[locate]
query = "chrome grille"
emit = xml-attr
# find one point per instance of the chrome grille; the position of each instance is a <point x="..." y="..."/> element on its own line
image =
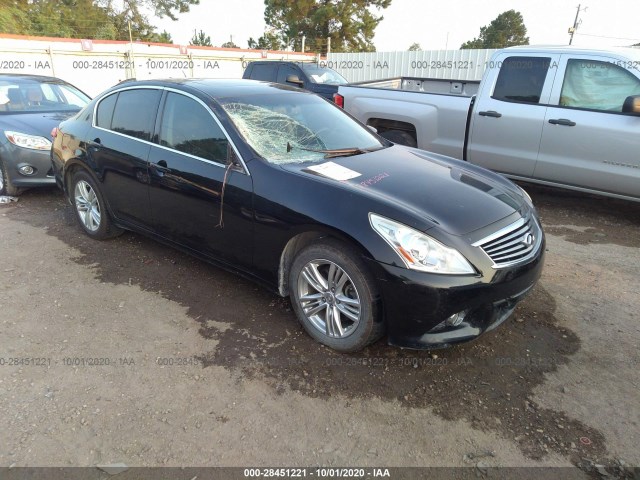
<point x="513" y="244"/>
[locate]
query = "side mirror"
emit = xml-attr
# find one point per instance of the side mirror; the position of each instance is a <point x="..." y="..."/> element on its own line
<point x="295" y="80"/>
<point x="631" y="105"/>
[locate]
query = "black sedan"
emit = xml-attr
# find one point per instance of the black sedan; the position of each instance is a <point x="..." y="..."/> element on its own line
<point x="283" y="187"/>
<point x="30" y="106"/>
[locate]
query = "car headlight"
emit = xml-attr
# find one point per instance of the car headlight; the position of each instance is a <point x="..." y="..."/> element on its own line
<point x="23" y="140"/>
<point x="418" y="250"/>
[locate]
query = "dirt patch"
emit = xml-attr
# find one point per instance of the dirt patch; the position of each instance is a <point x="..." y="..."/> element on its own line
<point x="586" y="219"/>
<point x="488" y="382"/>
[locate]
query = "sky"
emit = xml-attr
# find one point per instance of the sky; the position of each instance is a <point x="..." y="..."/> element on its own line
<point x="434" y="25"/>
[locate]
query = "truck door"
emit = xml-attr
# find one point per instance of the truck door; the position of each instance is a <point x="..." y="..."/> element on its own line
<point x="586" y="139"/>
<point x="507" y="119"/>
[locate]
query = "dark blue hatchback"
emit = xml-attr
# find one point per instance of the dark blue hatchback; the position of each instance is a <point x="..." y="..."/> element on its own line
<point x="30" y="107"/>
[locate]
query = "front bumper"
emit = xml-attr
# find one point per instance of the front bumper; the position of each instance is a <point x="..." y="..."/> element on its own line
<point x="40" y="160"/>
<point x="416" y="304"/>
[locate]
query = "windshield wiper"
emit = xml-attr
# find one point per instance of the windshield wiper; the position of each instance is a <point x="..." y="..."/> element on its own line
<point x="337" y="152"/>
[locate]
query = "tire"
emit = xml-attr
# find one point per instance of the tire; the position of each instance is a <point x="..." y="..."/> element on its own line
<point x="6" y="188"/>
<point x="400" y="137"/>
<point x="90" y="208"/>
<point x="354" y="298"/>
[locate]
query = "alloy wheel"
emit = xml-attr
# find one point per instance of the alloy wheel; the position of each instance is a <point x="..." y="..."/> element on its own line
<point x="87" y="205"/>
<point x="329" y="298"/>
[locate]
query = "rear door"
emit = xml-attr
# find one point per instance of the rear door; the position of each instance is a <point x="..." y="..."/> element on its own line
<point x="119" y="147"/>
<point x="200" y="193"/>
<point x="587" y="141"/>
<point x="509" y="113"/>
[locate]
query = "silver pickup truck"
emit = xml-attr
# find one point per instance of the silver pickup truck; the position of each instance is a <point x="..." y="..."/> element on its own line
<point x="559" y="116"/>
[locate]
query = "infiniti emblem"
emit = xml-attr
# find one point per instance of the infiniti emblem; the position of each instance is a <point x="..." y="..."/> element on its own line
<point x="528" y="239"/>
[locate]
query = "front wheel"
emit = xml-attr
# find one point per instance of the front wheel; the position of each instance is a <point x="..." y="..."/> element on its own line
<point x="90" y="207"/>
<point x="5" y="183"/>
<point x="335" y="297"/>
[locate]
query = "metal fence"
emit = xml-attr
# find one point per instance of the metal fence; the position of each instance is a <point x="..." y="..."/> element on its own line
<point x="445" y="64"/>
<point x="94" y="65"/>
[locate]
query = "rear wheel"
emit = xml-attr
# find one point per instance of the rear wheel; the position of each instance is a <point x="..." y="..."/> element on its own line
<point x="335" y="297"/>
<point x="5" y="182"/>
<point x="90" y="208"/>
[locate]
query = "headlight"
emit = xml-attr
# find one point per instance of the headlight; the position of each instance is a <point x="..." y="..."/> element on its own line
<point x="28" y="141"/>
<point x="420" y="251"/>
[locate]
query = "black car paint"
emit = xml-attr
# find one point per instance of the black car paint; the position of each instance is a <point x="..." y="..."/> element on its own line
<point x="268" y="207"/>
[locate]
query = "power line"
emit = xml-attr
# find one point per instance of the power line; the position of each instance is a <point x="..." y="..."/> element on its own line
<point x="606" y="36"/>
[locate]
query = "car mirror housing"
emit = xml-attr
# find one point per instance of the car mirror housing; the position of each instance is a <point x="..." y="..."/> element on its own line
<point x="631" y="105"/>
<point x="295" y="79"/>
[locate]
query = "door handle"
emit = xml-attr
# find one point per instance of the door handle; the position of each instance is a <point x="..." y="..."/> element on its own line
<point x="490" y="113"/>
<point x="161" y="168"/>
<point x="562" y="121"/>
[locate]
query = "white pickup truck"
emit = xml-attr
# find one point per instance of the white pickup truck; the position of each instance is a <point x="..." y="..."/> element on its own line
<point x="559" y="116"/>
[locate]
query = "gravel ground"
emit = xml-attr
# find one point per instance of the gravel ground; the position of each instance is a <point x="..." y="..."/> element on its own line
<point x="129" y="351"/>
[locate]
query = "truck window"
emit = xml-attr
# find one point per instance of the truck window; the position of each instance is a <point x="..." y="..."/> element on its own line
<point x="597" y="85"/>
<point x="285" y="70"/>
<point x="521" y="79"/>
<point x="264" y="71"/>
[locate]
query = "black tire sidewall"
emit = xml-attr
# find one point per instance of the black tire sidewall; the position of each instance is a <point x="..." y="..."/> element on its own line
<point x="8" y="189"/>
<point x="369" y="326"/>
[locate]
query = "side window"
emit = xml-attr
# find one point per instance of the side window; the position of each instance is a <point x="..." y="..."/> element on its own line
<point x="105" y="111"/>
<point x="597" y="85"/>
<point x="521" y="79"/>
<point x="285" y="70"/>
<point x="135" y="113"/>
<point x="264" y="71"/>
<point x="188" y="127"/>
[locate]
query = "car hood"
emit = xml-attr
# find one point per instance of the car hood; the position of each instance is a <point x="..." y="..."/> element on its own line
<point x="33" y="123"/>
<point x="432" y="189"/>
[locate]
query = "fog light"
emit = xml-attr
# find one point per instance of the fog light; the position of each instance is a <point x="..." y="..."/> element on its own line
<point x="27" y="170"/>
<point x="456" y="319"/>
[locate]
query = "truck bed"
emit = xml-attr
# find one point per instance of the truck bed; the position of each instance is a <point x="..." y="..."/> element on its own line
<point x="464" y="88"/>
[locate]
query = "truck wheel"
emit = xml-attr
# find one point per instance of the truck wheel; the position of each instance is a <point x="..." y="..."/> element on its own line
<point x="400" y="137"/>
<point x="335" y="297"/>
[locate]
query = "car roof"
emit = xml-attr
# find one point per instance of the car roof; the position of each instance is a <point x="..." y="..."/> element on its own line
<point x="25" y="76"/>
<point x="215" y="87"/>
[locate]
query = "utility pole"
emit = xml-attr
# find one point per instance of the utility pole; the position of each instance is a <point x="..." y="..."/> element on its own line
<point x="328" y="45"/>
<point x="303" y="39"/>
<point x="576" y="22"/>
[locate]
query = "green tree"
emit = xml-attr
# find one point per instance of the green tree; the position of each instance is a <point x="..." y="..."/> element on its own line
<point x="164" y="37"/>
<point x="268" y="41"/>
<point x="507" y="30"/>
<point x="415" y="47"/>
<point x="93" y="19"/>
<point x="350" y="24"/>
<point x="229" y="44"/>
<point x="200" y="38"/>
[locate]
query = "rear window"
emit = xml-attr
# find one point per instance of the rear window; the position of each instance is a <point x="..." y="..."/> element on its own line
<point x="135" y="113"/>
<point x="521" y="79"/>
<point x="264" y="71"/>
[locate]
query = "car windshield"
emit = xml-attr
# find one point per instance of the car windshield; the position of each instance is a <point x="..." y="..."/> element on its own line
<point x="31" y="96"/>
<point x="323" y="75"/>
<point x="283" y="127"/>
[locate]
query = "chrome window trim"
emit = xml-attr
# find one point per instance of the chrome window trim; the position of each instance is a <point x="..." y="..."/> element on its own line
<point x="245" y="170"/>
